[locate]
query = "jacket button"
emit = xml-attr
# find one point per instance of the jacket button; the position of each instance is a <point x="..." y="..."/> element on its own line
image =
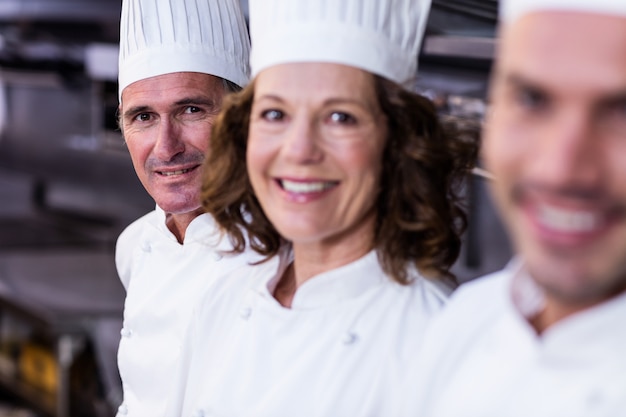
<point x="349" y="338"/>
<point x="126" y="332"/>
<point x="245" y="313"/>
<point x="217" y="256"/>
<point x="145" y="246"/>
<point x="123" y="409"/>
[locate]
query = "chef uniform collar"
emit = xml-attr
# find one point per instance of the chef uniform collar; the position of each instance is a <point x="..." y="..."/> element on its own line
<point x="328" y="288"/>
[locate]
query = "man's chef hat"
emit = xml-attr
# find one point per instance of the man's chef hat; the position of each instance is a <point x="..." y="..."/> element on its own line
<point x="511" y="10"/>
<point x="164" y="36"/>
<point x="379" y="36"/>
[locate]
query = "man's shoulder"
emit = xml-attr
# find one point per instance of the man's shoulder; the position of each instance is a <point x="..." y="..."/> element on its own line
<point x="133" y="230"/>
<point x="477" y="300"/>
<point x="477" y="288"/>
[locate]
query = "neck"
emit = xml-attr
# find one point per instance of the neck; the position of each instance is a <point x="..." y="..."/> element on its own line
<point x="556" y="310"/>
<point x="311" y="261"/>
<point x="314" y="259"/>
<point x="177" y="223"/>
<point x="550" y="315"/>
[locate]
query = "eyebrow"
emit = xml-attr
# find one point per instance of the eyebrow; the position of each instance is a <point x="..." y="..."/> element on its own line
<point x="135" y="110"/>
<point x="519" y="81"/>
<point x="188" y="101"/>
<point x="330" y="101"/>
<point x="204" y="101"/>
<point x="615" y="96"/>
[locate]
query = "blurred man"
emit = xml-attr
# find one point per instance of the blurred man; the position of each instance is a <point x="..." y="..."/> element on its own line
<point x="178" y="58"/>
<point x="546" y="336"/>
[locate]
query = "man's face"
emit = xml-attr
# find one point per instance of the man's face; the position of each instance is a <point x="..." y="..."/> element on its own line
<point x="556" y="141"/>
<point x="166" y="121"/>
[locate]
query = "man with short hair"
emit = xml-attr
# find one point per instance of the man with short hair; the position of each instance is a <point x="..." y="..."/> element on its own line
<point x="546" y="336"/>
<point x="178" y="58"/>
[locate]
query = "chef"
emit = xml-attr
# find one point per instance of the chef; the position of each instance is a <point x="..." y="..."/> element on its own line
<point x="178" y="59"/>
<point x="545" y="336"/>
<point x="349" y="183"/>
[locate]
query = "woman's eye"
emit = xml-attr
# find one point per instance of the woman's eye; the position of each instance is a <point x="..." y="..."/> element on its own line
<point x="272" y="115"/>
<point x="342" y="118"/>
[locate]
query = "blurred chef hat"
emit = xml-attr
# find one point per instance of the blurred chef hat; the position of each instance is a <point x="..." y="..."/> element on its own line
<point x="164" y="36"/>
<point x="380" y="36"/>
<point x="510" y="10"/>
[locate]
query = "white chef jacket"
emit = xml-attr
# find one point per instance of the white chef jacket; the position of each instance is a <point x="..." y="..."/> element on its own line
<point x="483" y="359"/>
<point x="163" y="280"/>
<point x="340" y="350"/>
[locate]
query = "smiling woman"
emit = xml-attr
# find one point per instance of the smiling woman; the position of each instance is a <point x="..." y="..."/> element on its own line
<point x="348" y="184"/>
<point x="417" y="163"/>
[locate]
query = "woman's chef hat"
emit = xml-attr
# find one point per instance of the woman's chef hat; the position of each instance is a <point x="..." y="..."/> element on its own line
<point x="379" y="36"/>
<point x="164" y="36"/>
<point x="510" y="10"/>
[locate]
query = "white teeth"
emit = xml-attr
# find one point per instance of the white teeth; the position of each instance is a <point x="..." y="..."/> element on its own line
<point x="305" y="187"/>
<point x="568" y="221"/>
<point x="170" y="173"/>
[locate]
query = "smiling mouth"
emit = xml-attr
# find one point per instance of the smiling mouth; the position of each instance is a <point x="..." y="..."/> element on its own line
<point x="177" y="172"/>
<point x="306" y="187"/>
<point x="569" y="221"/>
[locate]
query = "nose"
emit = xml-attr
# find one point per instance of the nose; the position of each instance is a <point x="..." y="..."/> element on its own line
<point x="169" y="142"/>
<point x="569" y="151"/>
<point x="301" y="144"/>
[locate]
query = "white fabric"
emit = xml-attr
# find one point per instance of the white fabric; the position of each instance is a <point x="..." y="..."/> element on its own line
<point x="511" y="10"/>
<point x="379" y="36"/>
<point x="164" y="36"/>
<point x="483" y="359"/>
<point x="341" y="350"/>
<point x="163" y="280"/>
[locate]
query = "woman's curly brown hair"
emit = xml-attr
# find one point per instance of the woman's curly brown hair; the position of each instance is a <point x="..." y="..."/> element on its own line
<point x="420" y="217"/>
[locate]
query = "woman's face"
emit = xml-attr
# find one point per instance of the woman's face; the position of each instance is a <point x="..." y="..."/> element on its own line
<point x="315" y="149"/>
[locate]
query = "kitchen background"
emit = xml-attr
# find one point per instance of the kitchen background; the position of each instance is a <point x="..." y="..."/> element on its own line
<point x="67" y="189"/>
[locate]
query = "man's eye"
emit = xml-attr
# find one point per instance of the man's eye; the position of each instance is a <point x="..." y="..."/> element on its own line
<point x="613" y="116"/>
<point x="142" y="117"/>
<point x="532" y="99"/>
<point x="192" y="109"/>
<point x="272" y="115"/>
<point x="342" y="118"/>
<point x="617" y="108"/>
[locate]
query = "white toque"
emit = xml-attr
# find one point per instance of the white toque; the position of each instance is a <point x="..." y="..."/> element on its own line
<point x="511" y="10"/>
<point x="164" y="36"/>
<point x="379" y="36"/>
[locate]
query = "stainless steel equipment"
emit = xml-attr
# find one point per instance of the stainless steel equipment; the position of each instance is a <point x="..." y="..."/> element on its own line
<point x="57" y="113"/>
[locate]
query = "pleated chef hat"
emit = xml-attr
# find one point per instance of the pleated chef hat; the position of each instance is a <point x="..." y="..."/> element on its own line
<point x="510" y="10"/>
<point x="380" y="36"/>
<point x="164" y="36"/>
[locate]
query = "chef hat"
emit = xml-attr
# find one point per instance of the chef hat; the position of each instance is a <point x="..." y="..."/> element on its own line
<point x="379" y="36"/>
<point x="164" y="36"/>
<point x="513" y="9"/>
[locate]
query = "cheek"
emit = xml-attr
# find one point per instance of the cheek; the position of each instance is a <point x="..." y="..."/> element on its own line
<point x="257" y="159"/>
<point x="365" y="165"/>
<point x="504" y="145"/>
<point x="615" y="158"/>
<point x="138" y="148"/>
<point x="199" y="136"/>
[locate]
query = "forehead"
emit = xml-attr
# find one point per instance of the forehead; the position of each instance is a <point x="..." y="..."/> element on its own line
<point x="172" y="87"/>
<point x="579" y="52"/>
<point x="315" y="81"/>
